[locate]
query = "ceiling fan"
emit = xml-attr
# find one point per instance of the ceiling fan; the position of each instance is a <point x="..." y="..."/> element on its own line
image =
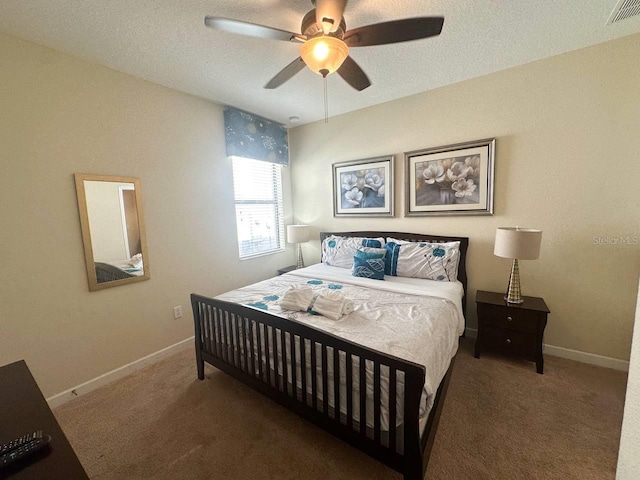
<point x="326" y="40"/>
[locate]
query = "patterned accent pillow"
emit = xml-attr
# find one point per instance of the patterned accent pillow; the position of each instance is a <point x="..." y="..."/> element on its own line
<point x="368" y="268"/>
<point x="339" y="251"/>
<point x="432" y="261"/>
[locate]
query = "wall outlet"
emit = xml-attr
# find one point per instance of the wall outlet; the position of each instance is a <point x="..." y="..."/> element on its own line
<point x="177" y="312"/>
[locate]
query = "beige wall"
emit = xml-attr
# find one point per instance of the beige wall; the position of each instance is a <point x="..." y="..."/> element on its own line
<point x="60" y="115"/>
<point x="567" y="162"/>
<point x="628" y="460"/>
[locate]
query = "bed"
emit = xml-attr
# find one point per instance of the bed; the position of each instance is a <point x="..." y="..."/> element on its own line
<point x="381" y="393"/>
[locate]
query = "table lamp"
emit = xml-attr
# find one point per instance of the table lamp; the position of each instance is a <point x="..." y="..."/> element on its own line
<point x="518" y="244"/>
<point x="298" y="234"/>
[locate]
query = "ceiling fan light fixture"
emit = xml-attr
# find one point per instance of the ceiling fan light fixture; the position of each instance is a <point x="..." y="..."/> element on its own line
<point x="324" y="54"/>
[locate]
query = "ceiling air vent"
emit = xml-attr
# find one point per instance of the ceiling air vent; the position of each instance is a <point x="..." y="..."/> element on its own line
<point x="624" y="9"/>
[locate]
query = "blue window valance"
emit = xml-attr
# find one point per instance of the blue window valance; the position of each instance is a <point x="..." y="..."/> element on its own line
<point x="251" y="136"/>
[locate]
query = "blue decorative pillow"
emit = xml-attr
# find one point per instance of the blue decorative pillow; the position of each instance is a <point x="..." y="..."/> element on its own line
<point x="391" y="258"/>
<point x="368" y="268"/>
<point x="372" y="243"/>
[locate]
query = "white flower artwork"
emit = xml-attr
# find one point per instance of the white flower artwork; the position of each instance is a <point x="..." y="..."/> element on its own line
<point x="363" y="187"/>
<point x="456" y="179"/>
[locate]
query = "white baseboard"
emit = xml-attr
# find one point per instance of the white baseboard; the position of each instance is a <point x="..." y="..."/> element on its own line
<point x="86" y="387"/>
<point x="584" y="357"/>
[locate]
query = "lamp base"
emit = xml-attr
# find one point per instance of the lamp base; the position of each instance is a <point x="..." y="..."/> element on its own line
<point x="300" y="259"/>
<point x="515" y="302"/>
<point x="513" y="292"/>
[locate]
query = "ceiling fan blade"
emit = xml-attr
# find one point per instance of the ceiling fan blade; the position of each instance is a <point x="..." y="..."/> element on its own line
<point x="329" y="14"/>
<point x="394" y="31"/>
<point x="353" y="74"/>
<point x="249" y="29"/>
<point x="286" y="73"/>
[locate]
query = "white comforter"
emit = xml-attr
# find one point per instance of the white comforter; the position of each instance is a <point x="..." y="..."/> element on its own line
<point x="413" y="319"/>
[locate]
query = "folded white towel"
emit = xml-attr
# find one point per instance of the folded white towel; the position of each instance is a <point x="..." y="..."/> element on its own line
<point x="297" y="298"/>
<point x="330" y="305"/>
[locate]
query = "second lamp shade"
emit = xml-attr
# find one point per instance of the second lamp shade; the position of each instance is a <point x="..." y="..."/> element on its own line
<point x="519" y="243"/>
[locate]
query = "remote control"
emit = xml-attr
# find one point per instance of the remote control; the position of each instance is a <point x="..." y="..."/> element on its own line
<point x="13" y="444"/>
<point x="22" y="447"/>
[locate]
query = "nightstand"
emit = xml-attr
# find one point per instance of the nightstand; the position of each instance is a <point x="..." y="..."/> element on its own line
<point x="288" y="269"/>
<point x="511" y="328"/>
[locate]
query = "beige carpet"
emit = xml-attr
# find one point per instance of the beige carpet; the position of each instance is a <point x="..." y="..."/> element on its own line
<point x="501" y="420"/>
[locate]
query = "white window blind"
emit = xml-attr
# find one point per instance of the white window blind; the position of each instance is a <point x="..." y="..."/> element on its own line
<point x="257" y="188"/>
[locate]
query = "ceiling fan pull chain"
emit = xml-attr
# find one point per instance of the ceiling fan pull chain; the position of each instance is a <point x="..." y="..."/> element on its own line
<point x="324" y="74"/>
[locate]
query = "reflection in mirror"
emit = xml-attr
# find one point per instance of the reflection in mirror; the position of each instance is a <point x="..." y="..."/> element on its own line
<point x="113" y="231"/>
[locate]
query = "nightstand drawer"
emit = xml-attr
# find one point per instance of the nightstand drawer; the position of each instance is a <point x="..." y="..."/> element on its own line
<point x="510" y="341"/>
<point x="509" y="318"/>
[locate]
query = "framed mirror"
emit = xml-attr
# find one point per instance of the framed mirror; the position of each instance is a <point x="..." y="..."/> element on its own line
<point x="113" y="233"/>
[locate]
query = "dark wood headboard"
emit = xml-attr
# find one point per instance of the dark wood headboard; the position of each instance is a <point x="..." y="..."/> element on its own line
<point x="419" y="237"/>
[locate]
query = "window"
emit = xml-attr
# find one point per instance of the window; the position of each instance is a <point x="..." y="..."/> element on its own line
<point x="257" y="188"/>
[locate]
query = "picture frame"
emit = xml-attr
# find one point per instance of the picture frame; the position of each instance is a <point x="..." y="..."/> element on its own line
<point x="450" y="180"/>
<point x="364" y="188"/>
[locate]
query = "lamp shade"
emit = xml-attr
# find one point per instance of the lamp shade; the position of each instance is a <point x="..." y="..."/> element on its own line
<point x="324" y="54"/>
<point x="517" y="243"/>
<point x="297" y="233"/>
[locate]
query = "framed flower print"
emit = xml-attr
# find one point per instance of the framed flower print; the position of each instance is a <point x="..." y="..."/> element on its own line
<point x="363" y="188"/>
<point x="450" y="180"/>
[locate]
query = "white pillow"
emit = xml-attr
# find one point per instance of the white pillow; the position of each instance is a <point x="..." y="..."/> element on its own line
<point x="432" y="261"/>
<point x="399" y="242"/>
<point x="339" y="251"/>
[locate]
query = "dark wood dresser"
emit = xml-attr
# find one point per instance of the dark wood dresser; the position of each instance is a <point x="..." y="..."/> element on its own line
<point x="516" y="329"/>
<point x="23" y="409"/>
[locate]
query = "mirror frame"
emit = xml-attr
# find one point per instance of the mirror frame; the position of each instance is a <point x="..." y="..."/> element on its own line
<point x="80" y="178"/>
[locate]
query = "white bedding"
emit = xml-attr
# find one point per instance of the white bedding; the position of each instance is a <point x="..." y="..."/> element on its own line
<point x="453" y="291"/>
<point x="413" y="319"/>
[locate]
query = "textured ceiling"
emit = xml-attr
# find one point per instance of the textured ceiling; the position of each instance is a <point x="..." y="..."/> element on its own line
<point x="166" y="42"/>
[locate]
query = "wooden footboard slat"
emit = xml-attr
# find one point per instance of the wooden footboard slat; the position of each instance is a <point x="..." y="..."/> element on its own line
<point x="274" y="350"/>
<point x="233" y="354"/>
<point x="223" y="334"/>
<point x="336" y="384"/>
<point x="362" y="389"/>
<point x="285" y="370"/>
<point x="217" y="325"/>
<point x="376" y="401"/>
<point x="325" y="381"/>
<point x="237" y="344"/>
<point x="208" y="331"/>
<point x="267" y="353"/>
<point x="215" y="322"/>
<point x="349" y="371"/>
<point x="259" y="341"/>
<point x="392" y="409"/>
<point x="314" y="376"/>
<point x="294" y="365"/>
<point x="224" y="344"/>
<point x="242" y="346"/>
<point x="303" y="368"/>
<point x="252" y="358"/>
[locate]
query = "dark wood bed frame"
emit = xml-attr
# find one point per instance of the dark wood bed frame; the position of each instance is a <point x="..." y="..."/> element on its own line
<point x="224" y="330"/>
